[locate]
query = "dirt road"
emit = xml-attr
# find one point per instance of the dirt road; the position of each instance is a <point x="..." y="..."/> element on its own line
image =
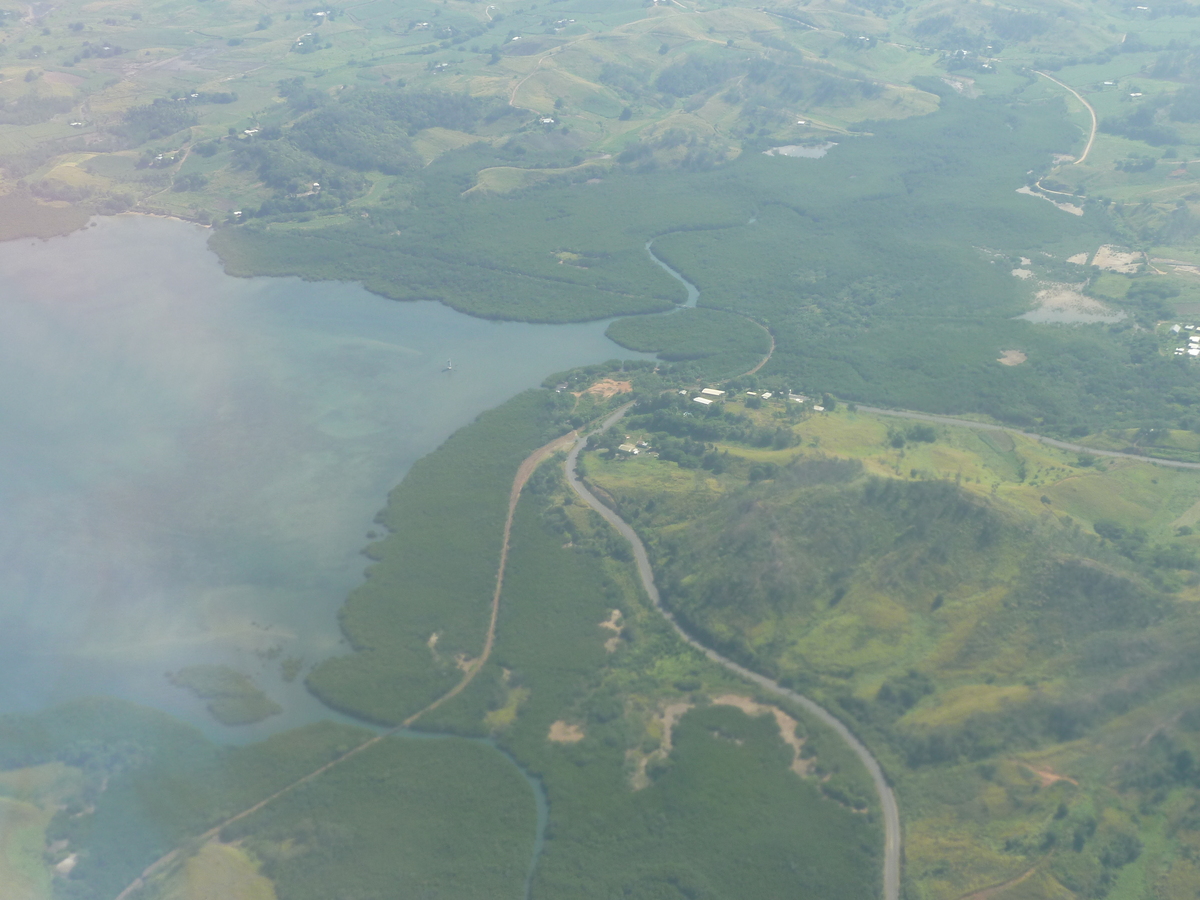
<point x="1091" y="137"/>
<point x="525" y="470"/>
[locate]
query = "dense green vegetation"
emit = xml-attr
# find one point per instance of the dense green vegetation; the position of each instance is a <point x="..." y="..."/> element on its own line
<point x="720" y="344"/>
<point x="882" y="269"/>
<point x="929" y="584"/>
<point x="407" y="817"/>
<point x="234" y="699"/>
<point x="424" y="608"/>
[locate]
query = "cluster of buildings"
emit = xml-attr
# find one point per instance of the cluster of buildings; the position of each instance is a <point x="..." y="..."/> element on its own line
<point x="1193" y="345"/>
<point x="708" y="396"/>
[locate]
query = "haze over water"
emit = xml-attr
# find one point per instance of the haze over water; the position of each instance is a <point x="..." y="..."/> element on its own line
<point x="190" y="463"/>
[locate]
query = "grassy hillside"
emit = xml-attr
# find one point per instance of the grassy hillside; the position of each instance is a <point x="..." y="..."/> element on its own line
<point x="1009" y="626"/>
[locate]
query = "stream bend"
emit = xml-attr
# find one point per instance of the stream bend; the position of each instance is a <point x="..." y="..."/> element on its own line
<point x="887" y="799"/>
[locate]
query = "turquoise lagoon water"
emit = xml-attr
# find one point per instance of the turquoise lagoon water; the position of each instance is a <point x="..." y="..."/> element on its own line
<point x="190" y="463"/>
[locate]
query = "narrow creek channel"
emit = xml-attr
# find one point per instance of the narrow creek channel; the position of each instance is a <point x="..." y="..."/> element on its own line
<point x="693" y="292"/>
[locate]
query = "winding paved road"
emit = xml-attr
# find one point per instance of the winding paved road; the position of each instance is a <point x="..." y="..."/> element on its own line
<point x="887" y="800"/>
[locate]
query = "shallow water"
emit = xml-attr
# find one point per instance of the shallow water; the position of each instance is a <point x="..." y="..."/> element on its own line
<point x="190" y="463"/>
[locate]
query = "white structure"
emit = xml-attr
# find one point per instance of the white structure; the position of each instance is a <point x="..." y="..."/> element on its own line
<point x="706" y="402"/>
<point x="712" y="392"/>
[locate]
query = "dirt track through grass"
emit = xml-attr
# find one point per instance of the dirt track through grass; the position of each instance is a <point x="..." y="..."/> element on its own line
<point x="1091" y="137"/>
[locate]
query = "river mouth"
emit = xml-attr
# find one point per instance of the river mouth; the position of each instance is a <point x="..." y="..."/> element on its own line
<point x="191" y="463"/>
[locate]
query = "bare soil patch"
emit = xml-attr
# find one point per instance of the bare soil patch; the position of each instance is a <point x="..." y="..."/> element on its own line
<point x="1111" y="259"/>
<point x="1068" y="298"/>
<point x="562" y="733"/>
<point x="1011" y="358"/>
<point x="609" y="388"/>
<point x="613" y="624"/>
<point x="1065" y="207"/>
<point x="1022" y="273"/>
<point x="1079" y="259"/>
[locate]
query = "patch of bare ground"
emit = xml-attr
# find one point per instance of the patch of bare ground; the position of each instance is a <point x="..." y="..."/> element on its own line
<point x="613" y="624"/>
<point x="1110" y="259"/>
<point x="1079" y="259"/>
<point x="563" y="733"/>
<point x="608" y="387"/>
<point x="1011" y="358"/>
<point x="1022" y="273"/>
<point x="1065" y="207"/>
<point x="1068" y="298"/>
